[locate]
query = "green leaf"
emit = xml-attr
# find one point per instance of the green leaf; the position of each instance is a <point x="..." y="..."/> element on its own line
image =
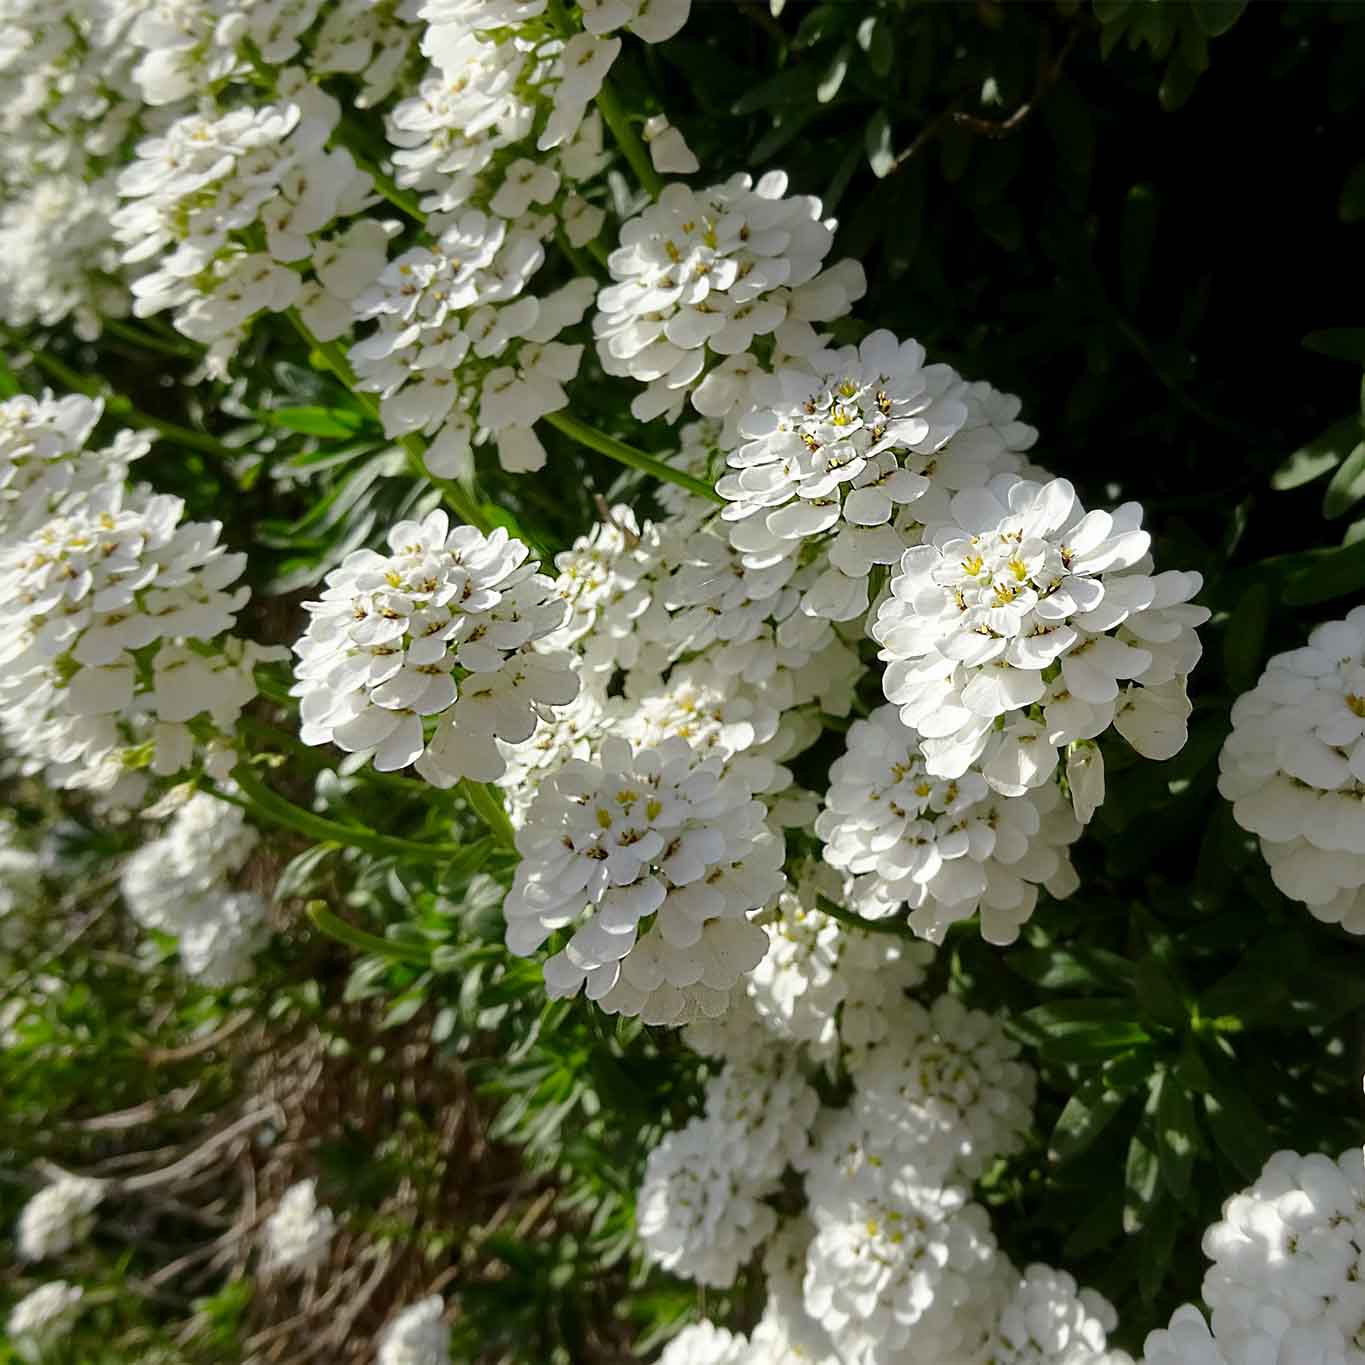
<point x="1351" y="206"/>
<point x="1336" y="572"/>
<point x="1318" y="456"/>
<point x="1341" y="343"/>
<point x="1159" y="996"/>
<point x="1109" y="11"/>
<point x="1239" y="1131"/>
<point x="1137" y="230"/>
<point x="1244" y="638"/>
<point x="792" y="86"/>
<point x="1083" y="1118"/>
<point x="834" y="75"/>
<point x="1158" y="1242"/>
<point x="1216" y="17"/>
<point x="881" y="156"/>
<point x="1347" y="486"/>
<point x="317" y="421"/>
<point x="1059" y="969"/>
<point x="1141" y="1180"/>
<point x="1177" y="1134"/>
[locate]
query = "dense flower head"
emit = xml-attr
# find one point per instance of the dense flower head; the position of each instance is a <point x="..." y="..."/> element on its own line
<point x="946" y="1093"/>
<point x="417" y="1336"/>
<point x="45" y="466"/>
<point x="653" y="859"/>
<point x="461" y="348"/>
<point x="896" y="1268"/>
<point x="1024" y="600"/>
<point x="58" y="1217"/>
<point x="1271" y="1341"/>
<point x="179" y="884"/>
<point x="442" y="626"/>
<point x="227" y="204"/>
<point x="41" y="1319"/>
<point x="298" y="1234"/>
<point x="703" y="1343"/>
<point x="1294" y="769"/>
<point x="847" y="443"/>
<point x="1293" y="1243"/>
<point x="1048" y="1320"/>
<point x="945" y="847"/>
<point x="697" y="1213"/>
<point x="701" y="273"/>
<point x="85" y="595"/>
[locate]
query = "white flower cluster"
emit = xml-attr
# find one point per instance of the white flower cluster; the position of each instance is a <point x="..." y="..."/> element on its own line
<point x="67" y="103"/>
<point x="60" y="1216"/>
<point x="1294" y="769"/>
<point x="654" y="859"/>
<point x="701" y="274"/>
<point x="440" y="631"/>
<point x="947" y="847"/>
<point x="1287" y="1257"/>
<point x="700" y="1210"/>
<point x="227" y="205"/>
<point x="461" y="349"/>
<point x="298" y="1235"/>
<point x="891" y="1261"/>
<point x="180" y="885"/>
<point x="116" y="618"/>
<point x="417" y="1336"/>
<point x="45" y="466"/>
<point x="41" y="1319"/>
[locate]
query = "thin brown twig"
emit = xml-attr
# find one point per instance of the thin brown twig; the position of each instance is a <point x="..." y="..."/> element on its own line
<point x="1049" y="71"/>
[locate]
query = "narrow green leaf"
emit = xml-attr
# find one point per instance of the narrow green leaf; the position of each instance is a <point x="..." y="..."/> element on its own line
<point x="1158" y="994"/>
<point x="1351" y="206"/>
<point x="792" y="86"/>
<point x="1158" y="1243"/>
<point x="834" y="75"/>
<point x="1216" y="17"/>
<point x="1341" y="343"/>
<point x="317" y="421"/>
<point x="1141" y="1180"/>
<point x="1237" y="1128"/>
<point x="1083" y="1118"/>
<point x="1176" y="1132"/>
<point x="1337" y="572"/>
<point x="881" y="156"/>
<point x="1324" y="452"/>
<point x="1347" y="486"/>
<point x="1244" y="638"/>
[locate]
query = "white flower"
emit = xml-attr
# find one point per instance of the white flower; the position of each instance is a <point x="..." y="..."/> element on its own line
<point x="370" y="39"/>
<point x="1294" y="769"/>
<point x="944" y="847"/>
<point x="417" y="1336"/>
<point x="703" y="1343"/>
<point x="1188" y="1341"/>
<point x="45" y="467"/>
<point x="1292" y="1244"/>
<point x="1049" y="1321"/>
<point x="298" y="1234"/>
<point x="697" y="1214"/>
<point x="704" y="272"/>
<point x="946" y="1093"/>
<point x="842" y="444"/>
<point x="895" y="1268"/>
<point x="41" y="1319"/>
<point x="219" y="934"/>
<point x="668" y="149"/>
<point x="653" y="860"/>
<point x="385" y="641"/>
<point x="58" y="1217"/>
<point x="1018" y="603"/>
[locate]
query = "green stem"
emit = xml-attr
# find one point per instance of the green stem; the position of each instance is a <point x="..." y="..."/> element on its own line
<point x="151" y="341"/>
<point x="872" y="926"/>
<point x="333" y="355"/>
<point x="614" y="116"/>
<point x="628" y="455"/>
<point x="574" y="256"/>
<point x="280" y="811"/>
<point x="403" y="200"/>
<point x="339" y="929"/>
<point x="119" y="406"/>
<point x="487" y="804"/>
